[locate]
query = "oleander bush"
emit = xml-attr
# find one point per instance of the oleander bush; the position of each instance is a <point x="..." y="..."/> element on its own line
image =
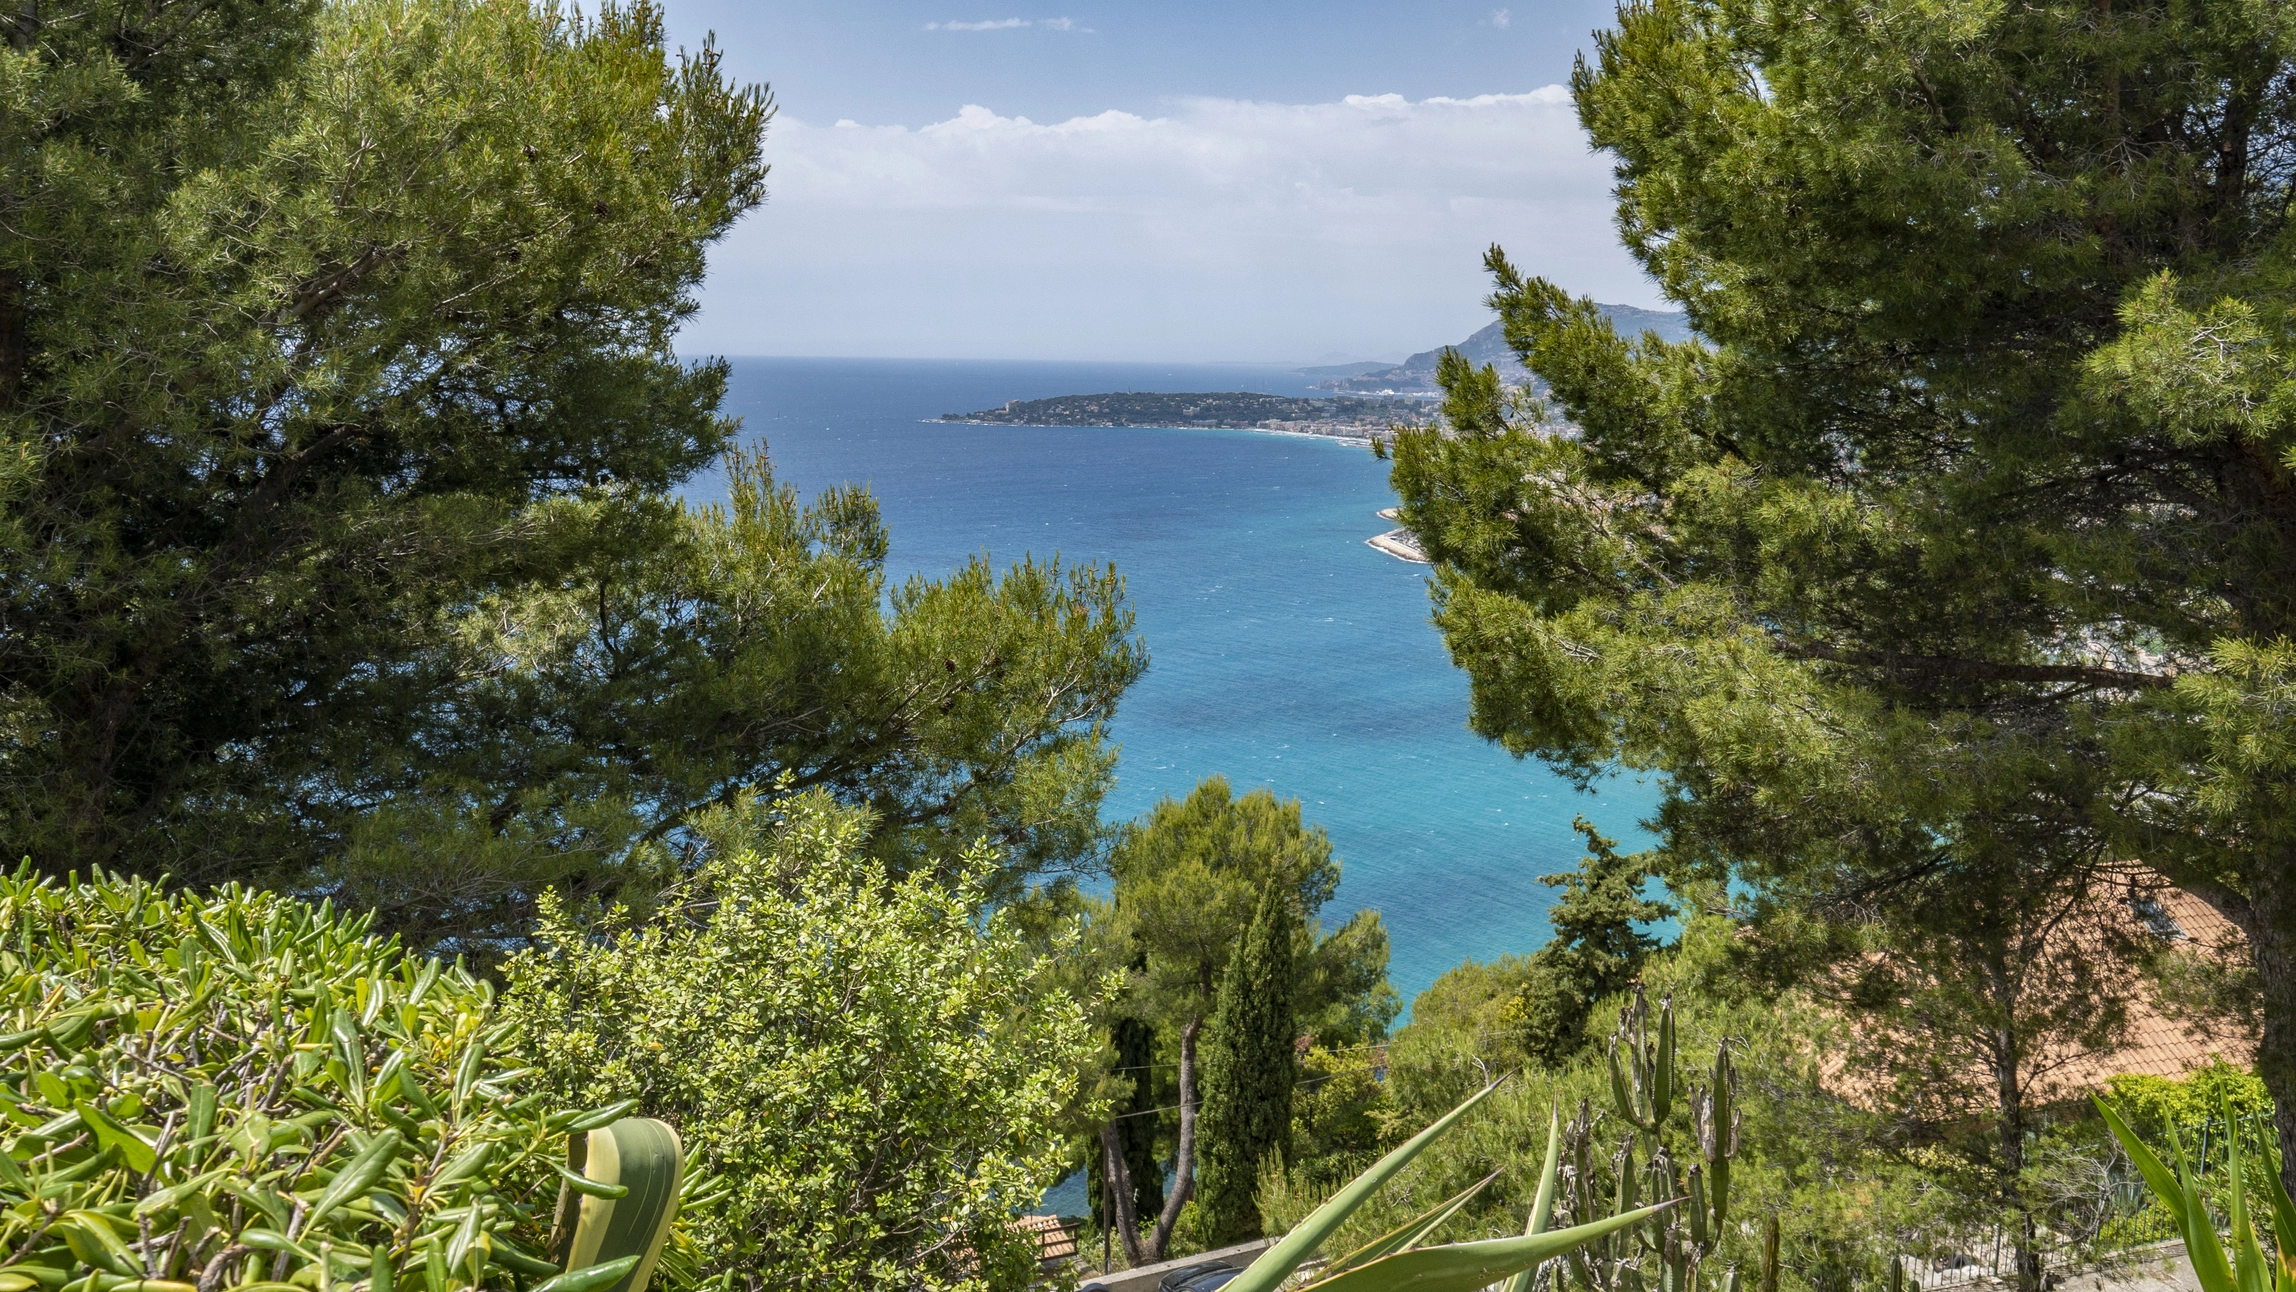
<point x="238" y="1090"/>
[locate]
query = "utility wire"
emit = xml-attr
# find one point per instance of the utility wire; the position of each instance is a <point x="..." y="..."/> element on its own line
<point x="1327" y="1049"/>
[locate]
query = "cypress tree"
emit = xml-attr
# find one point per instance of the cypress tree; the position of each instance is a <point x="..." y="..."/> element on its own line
<point x="1249" y="1068"/>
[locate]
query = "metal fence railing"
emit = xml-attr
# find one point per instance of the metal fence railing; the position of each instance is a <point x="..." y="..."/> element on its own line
<point x="2120" y="1216"/>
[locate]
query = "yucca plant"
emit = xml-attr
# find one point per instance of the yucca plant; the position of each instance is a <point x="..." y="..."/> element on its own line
<point x="1398" y="1261"/>
<point x="239" y="1091"/>
<point x="2248" y="1268"/>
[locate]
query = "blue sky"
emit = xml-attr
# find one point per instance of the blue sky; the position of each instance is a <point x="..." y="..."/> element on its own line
<point x="1171" y="181"/>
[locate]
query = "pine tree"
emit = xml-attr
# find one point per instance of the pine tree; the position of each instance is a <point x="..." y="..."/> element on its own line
<point x="1250" y="1066"/>
<point x="1597" y="949"/>
<point x="1955" y="562"/>
<point x="341" y="423"/>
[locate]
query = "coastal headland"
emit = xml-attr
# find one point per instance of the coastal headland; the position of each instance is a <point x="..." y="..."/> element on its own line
<point x="1343" y="417"/>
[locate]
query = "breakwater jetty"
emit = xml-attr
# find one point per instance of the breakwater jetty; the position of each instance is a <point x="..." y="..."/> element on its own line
<point x="1401" y="544"/>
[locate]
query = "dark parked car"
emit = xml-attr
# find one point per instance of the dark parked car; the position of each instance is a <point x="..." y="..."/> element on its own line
<point x="1211" y="1282"/>
<point x="1186" y="1274"/>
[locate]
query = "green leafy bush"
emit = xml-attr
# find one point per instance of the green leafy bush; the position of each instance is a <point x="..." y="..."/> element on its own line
<point x="2157" y="1106"/>
<point x="870" y="1072"/>
<point x="239" y="1090"/>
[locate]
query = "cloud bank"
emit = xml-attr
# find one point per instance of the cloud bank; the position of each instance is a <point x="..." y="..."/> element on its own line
<point x="1008" y="24"/>
<point x="1224" y="229"/>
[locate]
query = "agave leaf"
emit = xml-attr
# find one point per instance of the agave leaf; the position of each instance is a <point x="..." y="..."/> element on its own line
<point x="2158" y="1177"/>
<point x="1413" y="1231"/>
<point x="1467" y="1267"/>
<point x="1277" y="1263"/>
<point x="2283" y="1218"/>
<point x="1543" y="1206"/>
<point x="643" y="1160"/>
<point x="2251" y="1270"/>
<point x="2201" y="1244"/>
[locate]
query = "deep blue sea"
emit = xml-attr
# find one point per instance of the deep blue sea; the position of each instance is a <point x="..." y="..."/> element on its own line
<point x="1283" y="651"/>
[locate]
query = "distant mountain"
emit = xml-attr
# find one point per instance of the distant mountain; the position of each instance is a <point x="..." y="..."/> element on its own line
<point x="1344" y="369"/>
<point x="1416" y="374"/>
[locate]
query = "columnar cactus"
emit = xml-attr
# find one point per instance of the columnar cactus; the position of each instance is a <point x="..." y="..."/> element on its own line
<point x="1671" y="1250"/>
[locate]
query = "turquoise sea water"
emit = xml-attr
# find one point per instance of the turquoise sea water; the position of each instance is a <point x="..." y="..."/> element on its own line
<point x="1283" y="651"/>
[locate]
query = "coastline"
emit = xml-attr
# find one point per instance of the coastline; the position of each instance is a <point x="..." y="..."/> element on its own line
<point x="1338" y="434"/>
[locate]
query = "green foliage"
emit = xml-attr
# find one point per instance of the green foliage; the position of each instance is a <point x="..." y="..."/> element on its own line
<point x="339" y="415"/>
<point x="1250" y="1067"/>
<point x="1342" y="1118"/>
<point x="2160" y="1106"/>
<point x="1192" y="874"/>
<point x="238" y="1089"/>
<point x="1945" y="572"/>
<point x="1598" y="948"/>
<point x="304" y="306"/>
<point x="870" y="1070"/>
<point x="1186" y="880"/>
<point x="1344" y="998"/>
<point x="696" y="654"/>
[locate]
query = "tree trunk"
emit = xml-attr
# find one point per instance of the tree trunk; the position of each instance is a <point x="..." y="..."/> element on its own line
<point x="2267" y="919"/>
<point x="2271" y="912"/>
<point x="1184" y="1162"/>
<point x="1116" y="1187"/>
<point x="14" y="345"/>
<point x="2009" y="1112"/>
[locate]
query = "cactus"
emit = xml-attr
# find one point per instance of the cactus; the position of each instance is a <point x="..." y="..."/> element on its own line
<point x="1643" y="1087"/>
<point x="1670" y="1250"/>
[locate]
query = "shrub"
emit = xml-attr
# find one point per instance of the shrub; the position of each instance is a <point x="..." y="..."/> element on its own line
<point x="239" y="1089"/>
<point x="2158" y="1106"/>
<point x="871" y="1072"/>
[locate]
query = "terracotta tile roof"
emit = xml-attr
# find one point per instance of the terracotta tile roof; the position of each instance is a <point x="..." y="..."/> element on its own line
<point x="2157" y="1043"/>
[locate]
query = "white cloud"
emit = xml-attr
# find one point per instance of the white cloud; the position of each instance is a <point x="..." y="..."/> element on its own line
<point x="1222" y="228"/>
<point x="1065" y="24"/>
<point x="999" y="24"/>
<point x="1501" y="19"/>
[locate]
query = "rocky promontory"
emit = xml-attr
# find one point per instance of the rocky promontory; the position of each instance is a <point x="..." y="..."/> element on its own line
<point x="1342" y="417"/>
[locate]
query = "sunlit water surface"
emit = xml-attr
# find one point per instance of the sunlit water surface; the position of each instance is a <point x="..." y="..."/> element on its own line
<point x="1284" y="652"/>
